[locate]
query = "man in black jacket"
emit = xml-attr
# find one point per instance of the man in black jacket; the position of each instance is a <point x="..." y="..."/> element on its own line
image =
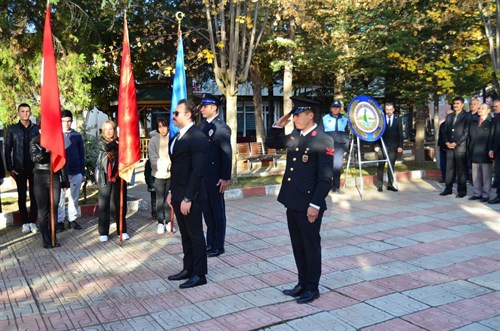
<point x="480" y="131"/>
<point x="494" y="152"/>
<point x="217" y="173"/>
<point x="393" y="140"/>
<point x="457" y="132"/>
<point x="306" y="183"/>
<point x="20" y="166"/>
<point x="187" y="193"/>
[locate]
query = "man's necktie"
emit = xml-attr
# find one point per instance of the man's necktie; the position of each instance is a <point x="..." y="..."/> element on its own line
<point x="173" y="143"/>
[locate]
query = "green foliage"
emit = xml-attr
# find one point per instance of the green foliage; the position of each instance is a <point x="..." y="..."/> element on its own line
<point x="91" y="152"/>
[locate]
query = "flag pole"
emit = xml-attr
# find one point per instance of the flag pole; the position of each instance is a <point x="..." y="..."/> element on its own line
<point x="52" y="218"/>
<point x="121" y="209"/>
<point x="178" y="16"/>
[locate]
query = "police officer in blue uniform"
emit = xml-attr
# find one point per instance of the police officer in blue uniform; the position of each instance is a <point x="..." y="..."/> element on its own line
<point x="336" y="126"/>
<point x="217" y="173"/>
<point x="306" y="183"/>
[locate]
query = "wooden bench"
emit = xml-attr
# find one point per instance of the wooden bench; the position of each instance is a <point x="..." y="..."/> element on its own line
<point x="243" y="152"/>
<point x="254" y="152"/>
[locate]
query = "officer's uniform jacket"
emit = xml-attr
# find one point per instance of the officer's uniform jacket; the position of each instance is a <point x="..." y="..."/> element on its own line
<point x="309" y="167"/>
<point x="219" y="155"/>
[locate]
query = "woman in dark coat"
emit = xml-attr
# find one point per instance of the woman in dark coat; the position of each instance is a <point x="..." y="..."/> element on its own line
<point x="41" y="158"/>
<point x="108" y="183"/>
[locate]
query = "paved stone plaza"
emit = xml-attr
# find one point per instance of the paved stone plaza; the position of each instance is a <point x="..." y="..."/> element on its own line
<point x="393" y="261"/>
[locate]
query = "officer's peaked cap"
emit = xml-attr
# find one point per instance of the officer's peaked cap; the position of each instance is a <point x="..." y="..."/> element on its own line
<point x="301" y="105"/>
<point x="209" y="99"/>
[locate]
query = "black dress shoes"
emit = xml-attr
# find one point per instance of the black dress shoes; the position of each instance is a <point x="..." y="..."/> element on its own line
<point x="47" y="242"/>
<point x="460" y="195"/>
<point x="215" y="252"/>
<point x="75" y="226"/>
<point x="184" y="274"/>
<point x="308" y="296"/>
<point x="445" y="192"/>
<point x="194" y="281"/>
<point x="59" y="227"/>
<point x="392" y="188"/>
<point x="493" y="201"/>
<point x="380" y="189"/>
<point x="474" y="198"/>
<point x="294" y="292"/>
<point x="484" y="200"/>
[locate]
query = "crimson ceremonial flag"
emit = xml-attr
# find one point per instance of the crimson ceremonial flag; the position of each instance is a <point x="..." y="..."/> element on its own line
<point x="50" y="107"/>
<point x="129" y="152"/>
<point x="179" y="90"/>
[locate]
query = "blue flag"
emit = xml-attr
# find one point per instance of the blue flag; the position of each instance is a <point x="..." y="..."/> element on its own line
<point x="179" y="90"/>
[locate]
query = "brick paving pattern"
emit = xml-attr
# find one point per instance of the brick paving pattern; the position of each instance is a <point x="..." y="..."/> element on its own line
<point x="393" y="261"/>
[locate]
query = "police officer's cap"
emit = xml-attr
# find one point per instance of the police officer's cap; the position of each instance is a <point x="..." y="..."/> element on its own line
<point x="209" y="99"/>
<point x="336" y="103"/>
<point x="301" y="105"/>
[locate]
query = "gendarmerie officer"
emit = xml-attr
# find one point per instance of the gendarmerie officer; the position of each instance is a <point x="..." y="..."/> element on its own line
<point x="306" y="183"/>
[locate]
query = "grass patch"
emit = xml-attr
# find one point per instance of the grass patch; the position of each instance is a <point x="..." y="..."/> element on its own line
<point x="256" y="181"/>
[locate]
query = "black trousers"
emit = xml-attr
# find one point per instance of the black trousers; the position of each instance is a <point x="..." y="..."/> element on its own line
<point x="306" y="246"/>
<point x="42" y="195"/>
<point x="456" y="164"/>
<point x="24" y="178"/>
<point x="162" y="207"/>
<point x="109" y="207"/>
<point x="393" y="155"/>
<point x="338" y="158"/>
<point x="497" y="173"/>
<point x="214" y="213"/>
<point x="193" y="240"/>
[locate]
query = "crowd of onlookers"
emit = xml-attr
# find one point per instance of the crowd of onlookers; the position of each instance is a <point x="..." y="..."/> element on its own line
<point x="28" y="163"/>
<point x="469" y="144"/>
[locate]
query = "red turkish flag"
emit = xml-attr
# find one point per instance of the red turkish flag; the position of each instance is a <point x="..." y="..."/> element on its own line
<point x="50" y="107"/>
<point x="129" y="152"/>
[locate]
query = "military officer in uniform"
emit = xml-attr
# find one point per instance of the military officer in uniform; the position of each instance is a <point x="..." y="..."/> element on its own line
<point x="217" y="173"/>
<point x="336" y="126"/>
<point x="306" y="183"/>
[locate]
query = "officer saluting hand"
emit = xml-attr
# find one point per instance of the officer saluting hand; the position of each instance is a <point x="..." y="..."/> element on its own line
<point x="306" y="183"/>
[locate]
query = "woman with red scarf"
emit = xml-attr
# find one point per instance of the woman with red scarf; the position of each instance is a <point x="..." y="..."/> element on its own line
<point x="108" y="183"/>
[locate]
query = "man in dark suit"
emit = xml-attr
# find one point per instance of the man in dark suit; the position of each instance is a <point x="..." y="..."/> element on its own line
<point x="187" y="152"/>
<point x="393" y="140"/>
<point x="494" y="152"/>
<point x="457" y="132"/>
<point x="306" y="183"/>
<point x="217" y="173"/>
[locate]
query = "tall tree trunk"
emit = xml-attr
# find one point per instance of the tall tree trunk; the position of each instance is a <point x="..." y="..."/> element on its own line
<point x="288" y="78"/>
<point x="492" y="31"/>
<point x="231" y="111"/>
<point x="338" y="90"/>
<point x="256" y="80"/>
<point x="420" y="134"/>
<point x="270" y="105"/>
